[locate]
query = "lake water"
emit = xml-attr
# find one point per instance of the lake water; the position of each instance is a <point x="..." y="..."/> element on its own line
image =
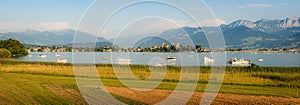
<point x="187" y="59"/>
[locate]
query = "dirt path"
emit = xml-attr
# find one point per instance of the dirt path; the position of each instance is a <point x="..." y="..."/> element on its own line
<point x="155" y="96"/>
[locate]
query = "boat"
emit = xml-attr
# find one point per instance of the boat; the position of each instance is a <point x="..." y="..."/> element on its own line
<point x="236" y="61"/>
<point x="61" y="60"/>
<point x="42" y="56"/>
<point x="123" y="60"/>
<point x="158" y="64"/>
<point x="208" y="60"/>
<point x="260" y="60"/>
<point x="171" y="58"/>
<point x="102" y="58"/>
<point x="29" y="55"/>
<point x="110" y="58"/>
<point x="58" y="55"/>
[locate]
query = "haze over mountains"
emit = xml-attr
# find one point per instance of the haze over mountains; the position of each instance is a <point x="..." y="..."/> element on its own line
<point x="61" y="37"/>
<point x="238" y="34"/>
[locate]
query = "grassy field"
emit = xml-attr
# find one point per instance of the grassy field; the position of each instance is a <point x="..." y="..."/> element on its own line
<point x="35" y="82"/>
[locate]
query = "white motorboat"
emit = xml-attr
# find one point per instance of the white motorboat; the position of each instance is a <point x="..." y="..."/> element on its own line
<point x="159" y="64"/>
<point x="43" y="56"/>
<point x="123" y="60"/>
<point x="62" y="61"/>
<point x="260" y="60"/>
<point x="236" y="61"/>
<point x="58" y="55"/>
<point x="208" y="60"/>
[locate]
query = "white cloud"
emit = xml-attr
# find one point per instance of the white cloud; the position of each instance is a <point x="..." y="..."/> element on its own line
<point x="152" y="26"/>
<point x="212" y="22"/>
<point x="254" y="5"/>
<point x="157" y="26"/>
<point x="11" y="27"/>
<point x="203" y="23"/>
<point x="52" y="26"/>
<point x="43" y="26"/>
<point x="165" y="25"/>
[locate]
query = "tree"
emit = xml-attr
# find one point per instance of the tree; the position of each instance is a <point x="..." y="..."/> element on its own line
<point x="14" y="47"/>
<point x="198" y="48"/>
<point x="4" y="53"/>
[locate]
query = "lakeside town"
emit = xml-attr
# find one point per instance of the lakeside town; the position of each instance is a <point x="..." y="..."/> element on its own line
<point x="158" y="48"/>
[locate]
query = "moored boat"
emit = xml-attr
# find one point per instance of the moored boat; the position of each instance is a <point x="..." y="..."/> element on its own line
<point x="260" y="60"/>
<point x="61" y="60"/>
<point x="171" y="58"/>
<point x="123" y="60"/>
<point x="236" y="61"/>
<point x="102" y="58"/>
<point x="208" y="60"/>
<point x="159" y="64"/>
<point x="42" y="56"/>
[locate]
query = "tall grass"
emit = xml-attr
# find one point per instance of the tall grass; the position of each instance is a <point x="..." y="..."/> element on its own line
<point x="252" y="76"/>
<point x="281" y="81"/>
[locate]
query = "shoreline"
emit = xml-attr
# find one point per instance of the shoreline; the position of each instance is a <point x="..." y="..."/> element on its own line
<point x="16" y="61"/>
<point x="246" y="51"/>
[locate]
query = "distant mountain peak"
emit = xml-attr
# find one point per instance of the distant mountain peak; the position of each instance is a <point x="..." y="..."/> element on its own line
<point x="29" y="31"/>
<point x="242" y="23"/>
<point x="266" y="25"/>
<point x="263" y="20"/>
<point x="293" y="18"/>
<point x="290" y="22"/>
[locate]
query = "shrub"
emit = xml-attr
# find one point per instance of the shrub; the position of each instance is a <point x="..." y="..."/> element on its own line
<point x="14" y="47"/>
<point x="4" y="53"/>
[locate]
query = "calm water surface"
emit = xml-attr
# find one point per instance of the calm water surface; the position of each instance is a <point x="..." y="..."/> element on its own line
<point x="186" y="59"/>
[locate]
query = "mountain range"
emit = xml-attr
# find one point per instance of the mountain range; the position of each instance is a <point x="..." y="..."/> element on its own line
<point x="49" y="38"/>
<point x="240" y="34"/>
<point x="263" y="33"/>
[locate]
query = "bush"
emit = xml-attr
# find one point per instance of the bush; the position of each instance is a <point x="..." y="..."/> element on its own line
<point x="4" y="53"/>
<point x="14" y="47"/>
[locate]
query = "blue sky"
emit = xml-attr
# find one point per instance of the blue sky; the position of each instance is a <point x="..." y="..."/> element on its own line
<point x="30" y="11"/>
<point x="17" y="15"/>
<point x="230" y="10"/>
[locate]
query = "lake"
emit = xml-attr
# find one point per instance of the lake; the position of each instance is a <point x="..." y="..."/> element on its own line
<point x="269" y="59"/>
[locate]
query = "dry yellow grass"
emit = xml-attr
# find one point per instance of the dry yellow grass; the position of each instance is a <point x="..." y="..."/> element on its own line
<point x="14" y="74"/>
<point x="156" y="96"/>
<point x="66" y="93"/>
<point x="140" y="73"/>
